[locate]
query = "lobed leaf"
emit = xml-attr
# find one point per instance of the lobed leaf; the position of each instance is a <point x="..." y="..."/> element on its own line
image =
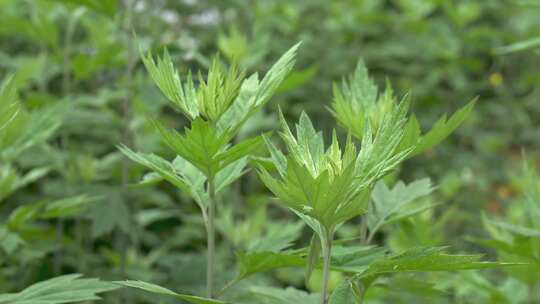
<point x="156" y="289"/>
<point x="182" y="95"/>
<point x="180" y="173"/>
<point x="388" y="205"/>
<point x="427" y="259"/>
<point x="254" y="95"/>
<point x="64" y="289"/>
<point x="358" y="106"/>
<point x="345" y="293"/>
<point x="442" y="129"/>
<point x="272" y="295"/>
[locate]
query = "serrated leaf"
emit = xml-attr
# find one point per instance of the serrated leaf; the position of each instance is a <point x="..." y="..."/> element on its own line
<point x="255" y="262"/>
<point x="278" y="159"/>
<point x="357" y="105"/>
<point x="242" y="108"/>
<point x="277" y="237"/>
<point x="180" y="173"/>
<point x="238" y="151"/>
<point x="417" y="290"/>
<point x="354" y="259"/>
<point x="182" y="95"/>
<point x="427" y="259"/>
<point x="199" y="145"/>
<point x="326" y="185"/>
<point x="64" y="289"/>
<point x="396" y="203"/>
<point x="298" y="78"/>
<point x="271" y="295"/>
<point x="275" y="75"/>
<point x="355" y="102"/>
<point x="442" y="129"/>
<point x="345" y="293"/>
<point x="254" y="95"/>
<point x="194" y="178"/>
<point x="217" y="92"/>
<point x="230" y="173"/>
<point x="161" y="166"/>
<point x="156" y="289"/>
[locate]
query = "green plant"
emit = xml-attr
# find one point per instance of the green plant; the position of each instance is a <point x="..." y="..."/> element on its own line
<point x="327" y="187"/>
<point x="206" y="161"/>
<point x="71" y="202"/>
<point x="516" y="237"/>
<point x="20" y="130"/>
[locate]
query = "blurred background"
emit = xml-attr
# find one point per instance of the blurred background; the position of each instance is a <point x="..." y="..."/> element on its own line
<point x="76" y="65"/>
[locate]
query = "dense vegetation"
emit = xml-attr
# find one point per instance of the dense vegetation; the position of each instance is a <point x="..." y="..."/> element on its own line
<point x="274" y="151"/>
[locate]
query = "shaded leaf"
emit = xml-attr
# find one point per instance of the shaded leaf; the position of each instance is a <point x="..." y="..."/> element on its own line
<point x="156" y="289"/>
<point x="345" y="293"/>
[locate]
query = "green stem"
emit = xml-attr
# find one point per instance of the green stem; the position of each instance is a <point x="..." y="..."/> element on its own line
<point x="371" y="234"/>
<point x="66" y="90"/>
<point x="126" y="102"/>
<point x="363" y="230"/>
<point x="122" y="239"/>
<point x="327" y="254"/>
<point x="211" y="239"/>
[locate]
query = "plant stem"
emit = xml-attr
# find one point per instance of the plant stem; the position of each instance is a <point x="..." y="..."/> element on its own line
<point x="211" y="239"/>
<point x="122" y="240"/>
<point x="327" y="254"/>
<point x="66" y="90"/>
<point x="363" y="230"/>
<point x="371" y="235"/>
<point x="126" y="113"/>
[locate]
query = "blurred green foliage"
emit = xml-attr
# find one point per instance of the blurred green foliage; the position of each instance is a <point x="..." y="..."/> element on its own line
<point x="71" y="203"/>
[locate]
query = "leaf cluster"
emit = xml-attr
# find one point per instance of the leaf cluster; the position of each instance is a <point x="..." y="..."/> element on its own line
<point x="328" y="185"/>
<point x="357" y="103"/>
<point x="217" y="109"/>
